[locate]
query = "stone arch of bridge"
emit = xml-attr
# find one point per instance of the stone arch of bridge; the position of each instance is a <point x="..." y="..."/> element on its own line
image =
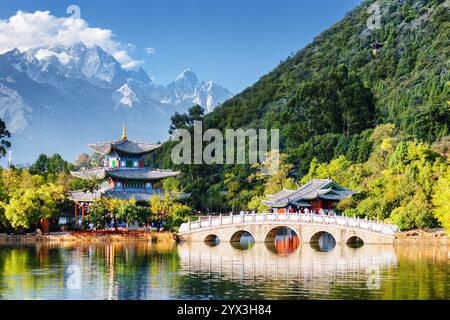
<point x="355" y="240"/>
<point x="211" y="238"/>
<point x="273" y="231"/>
<point x="236" y="236"/>
<point x="316" y="236"/>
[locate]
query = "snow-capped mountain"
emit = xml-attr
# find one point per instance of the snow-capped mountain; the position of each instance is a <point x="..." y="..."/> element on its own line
<point x="188" y="89"/>
<point x="55" y="97"/>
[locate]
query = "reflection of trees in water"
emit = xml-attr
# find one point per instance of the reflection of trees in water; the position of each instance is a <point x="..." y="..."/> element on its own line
<point x="323" y="241"/>
<point x="26" y="269"/>
<point x="422" y="273"/>
<point x="140" y="270"/>
<point x="116" y="270"/>
<point x="129" y="270"/>
<point x="244" y="241"/>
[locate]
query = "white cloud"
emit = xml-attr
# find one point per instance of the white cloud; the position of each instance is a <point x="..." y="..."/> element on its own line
<point x="39" y="29"/>
<point x="150" y="50"/>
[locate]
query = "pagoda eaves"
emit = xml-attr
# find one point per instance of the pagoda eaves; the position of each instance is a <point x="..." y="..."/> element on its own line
<point x="129" y="174"/>
<point x="124" y="146"/>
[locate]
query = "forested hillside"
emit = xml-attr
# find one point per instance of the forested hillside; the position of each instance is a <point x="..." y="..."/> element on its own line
<point x="385" y="114"/>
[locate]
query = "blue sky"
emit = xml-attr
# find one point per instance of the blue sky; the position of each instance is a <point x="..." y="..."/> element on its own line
<point x="233" y="42"/>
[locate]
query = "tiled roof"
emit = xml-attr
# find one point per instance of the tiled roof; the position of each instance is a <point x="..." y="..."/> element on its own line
<point x="316" y="188"/>
<point x="125" y="146"/>
<point x="132" y="174"/>
<point x="139" y="196"/>
<point x="280" y="195"/>
<point x="141" y="173"/>
<point x="85" y="196"/>
<point x="98" y="173"/>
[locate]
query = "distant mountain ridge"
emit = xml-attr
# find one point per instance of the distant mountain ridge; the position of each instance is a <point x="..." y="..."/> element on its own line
<point x="41" y="88"/>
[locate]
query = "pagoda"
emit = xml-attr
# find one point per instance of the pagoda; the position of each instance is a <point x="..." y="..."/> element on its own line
<point x="122" y="174"/>
<point x="316" y="195"/>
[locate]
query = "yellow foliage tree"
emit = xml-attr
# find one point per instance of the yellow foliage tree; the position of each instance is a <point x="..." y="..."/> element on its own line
<point x="441" y="200"/>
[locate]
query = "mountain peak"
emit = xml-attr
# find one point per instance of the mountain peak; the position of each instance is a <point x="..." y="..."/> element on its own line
<point x="187" y="75"/>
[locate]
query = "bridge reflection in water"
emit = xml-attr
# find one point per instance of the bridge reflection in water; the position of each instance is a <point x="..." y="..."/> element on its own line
<point x="305" y="266"/>
<point x="286" y="242"/>
<point x="145" y="270"/>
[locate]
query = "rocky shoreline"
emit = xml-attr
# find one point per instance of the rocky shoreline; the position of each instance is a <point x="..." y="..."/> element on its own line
<point x="413" y="237"/>
<point x="167" y="237"/>
<point x="420" y="237"/>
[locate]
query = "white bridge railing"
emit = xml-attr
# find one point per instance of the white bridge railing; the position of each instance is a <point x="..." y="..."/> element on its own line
<point x="209" y="222"/>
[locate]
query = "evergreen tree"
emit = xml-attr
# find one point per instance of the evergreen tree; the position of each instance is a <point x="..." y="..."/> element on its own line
<point x="4" y="136"/>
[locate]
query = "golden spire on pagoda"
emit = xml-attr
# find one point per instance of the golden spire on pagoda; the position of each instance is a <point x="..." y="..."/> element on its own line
<point x="124" y="132"/>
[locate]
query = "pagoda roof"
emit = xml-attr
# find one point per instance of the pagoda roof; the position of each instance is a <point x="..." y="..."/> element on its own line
<point x="125" y="146"/>
<point x="314" y="189"/>
<point x="130" y="174"/>
<point x="98" y="173"/>
<point x="85" y="196"/>
<point x="139" y="196"/>
<point x="141" y="173"/>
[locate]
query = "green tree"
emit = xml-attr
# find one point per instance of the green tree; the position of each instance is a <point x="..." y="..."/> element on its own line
<point x="85" y="185"/>
<point x="274" y="171"/>
<point x="178" y="214"/>
<point x="49" y="167"/>
<point x="185" y="121"/>
<point x="27" y="207"/>
<point x="441" y="199"/>
<point x="4" y="136"/>
<point x="98" y="214"/>
<point x="257" y="205"/>
<point x="167" y="208"/>
<point x="122" y="210"/>
<point x="83" y="161"/>
<point x="160" y="207"/>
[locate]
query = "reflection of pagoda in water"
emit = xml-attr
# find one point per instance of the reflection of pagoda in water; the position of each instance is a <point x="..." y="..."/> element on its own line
<point x="123" y="174"/>
<point x="285" y="242"/>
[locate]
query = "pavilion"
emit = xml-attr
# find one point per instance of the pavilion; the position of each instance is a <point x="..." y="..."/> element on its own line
<point x="122" y="174"/>
<point x="315" y="195"/>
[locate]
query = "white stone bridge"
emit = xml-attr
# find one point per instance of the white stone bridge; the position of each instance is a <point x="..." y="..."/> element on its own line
<point x="309" y="228"/>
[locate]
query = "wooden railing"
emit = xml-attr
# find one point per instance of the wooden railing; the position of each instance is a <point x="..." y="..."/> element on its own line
<point x="211" y="222"/>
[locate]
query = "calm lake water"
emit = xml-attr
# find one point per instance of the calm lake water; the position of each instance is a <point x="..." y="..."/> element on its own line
<point x="285" y="270"/>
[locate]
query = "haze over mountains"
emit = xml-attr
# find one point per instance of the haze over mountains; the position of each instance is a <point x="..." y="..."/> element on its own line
<point x="58" y="99"/>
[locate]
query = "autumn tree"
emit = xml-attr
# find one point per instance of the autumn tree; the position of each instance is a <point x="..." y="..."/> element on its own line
<point x="167" y="208"/>
<point x="28" y="206"/>
<point x="441" y="199"/>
